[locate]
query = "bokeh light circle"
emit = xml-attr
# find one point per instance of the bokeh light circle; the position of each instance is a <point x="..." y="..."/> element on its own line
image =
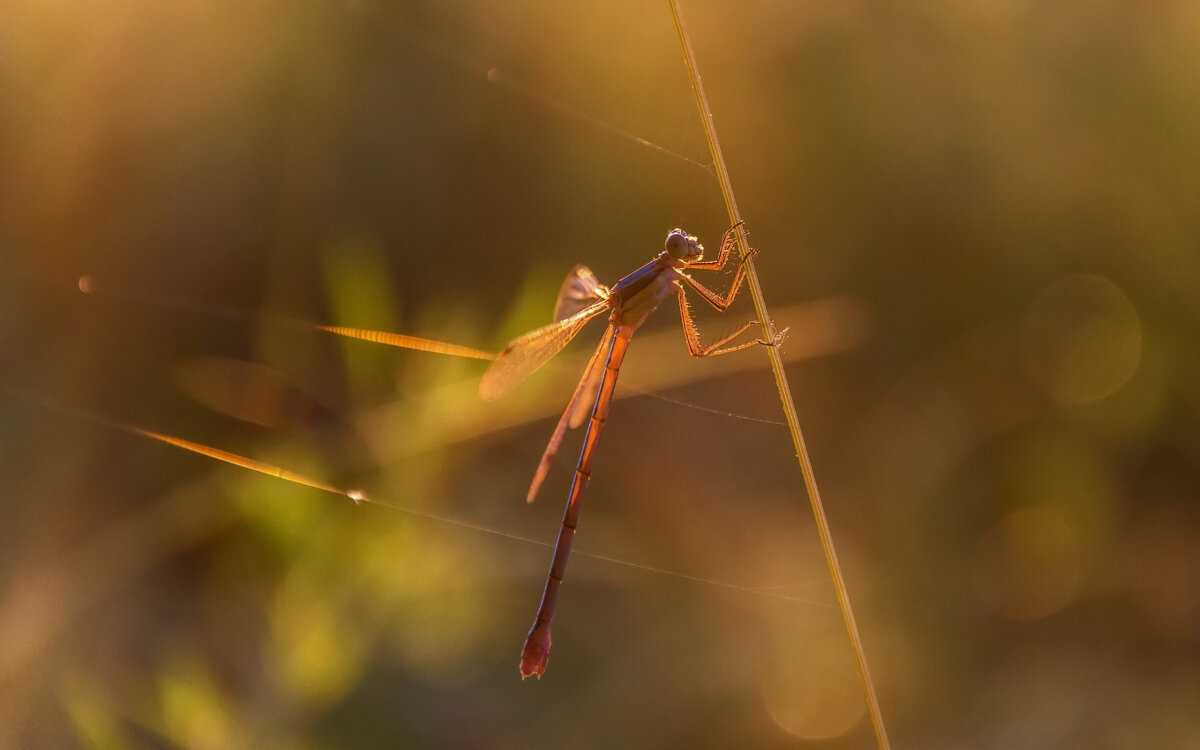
<point x="1082" y="339"/>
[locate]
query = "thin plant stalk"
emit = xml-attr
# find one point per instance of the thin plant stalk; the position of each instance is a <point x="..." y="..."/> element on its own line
<point x="785" y="393"/>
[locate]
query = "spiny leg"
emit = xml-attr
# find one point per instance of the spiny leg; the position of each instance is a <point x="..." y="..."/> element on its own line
<point x="692" y="336"/>
<point x="719" y="302"/>
<point x="728" y="241"/>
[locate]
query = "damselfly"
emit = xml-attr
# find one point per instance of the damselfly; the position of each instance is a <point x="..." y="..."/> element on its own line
<point x="628" y="303"/>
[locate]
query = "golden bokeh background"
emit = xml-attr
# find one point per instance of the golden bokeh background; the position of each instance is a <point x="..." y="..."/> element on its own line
<point x="978" y="219"/>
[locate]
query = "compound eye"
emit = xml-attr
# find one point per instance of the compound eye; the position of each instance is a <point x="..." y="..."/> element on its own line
<point x="677" y="244"/>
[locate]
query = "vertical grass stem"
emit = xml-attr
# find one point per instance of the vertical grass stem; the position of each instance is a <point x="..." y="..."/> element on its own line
<point x="785" y="393"/>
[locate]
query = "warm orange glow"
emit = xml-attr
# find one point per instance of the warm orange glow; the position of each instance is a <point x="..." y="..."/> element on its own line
<point x="407" y="342"/>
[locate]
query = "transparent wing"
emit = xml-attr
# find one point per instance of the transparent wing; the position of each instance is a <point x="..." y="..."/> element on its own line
<point x="580" y="402"/>
<point x="525" y="354"/>
<point x="581" y="408"/>
<point x="579" y="290"/>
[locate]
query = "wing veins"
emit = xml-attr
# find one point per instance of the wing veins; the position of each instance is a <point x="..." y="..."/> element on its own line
<point x="525" y="354"/>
